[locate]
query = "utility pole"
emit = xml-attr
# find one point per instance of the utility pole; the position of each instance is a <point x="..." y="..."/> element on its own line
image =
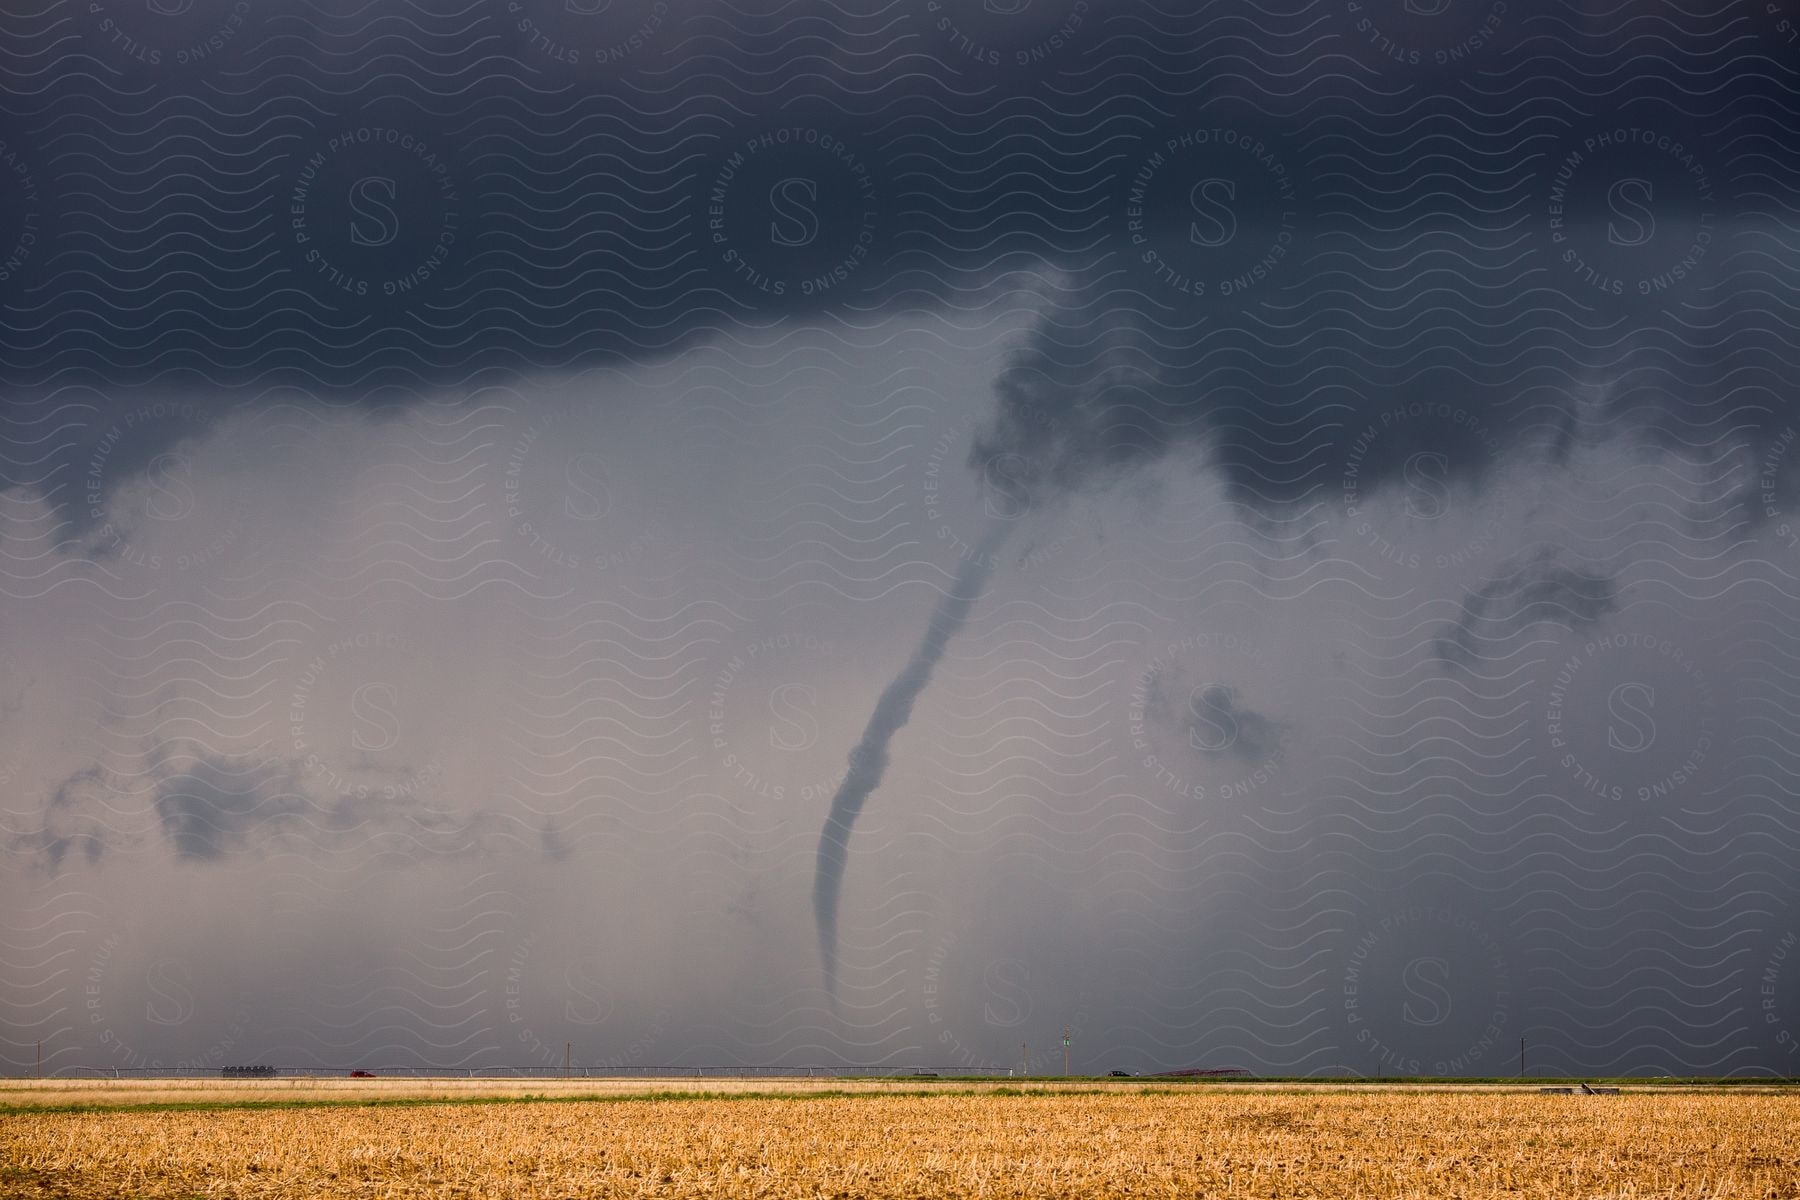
<point x="1065" y="1051"/>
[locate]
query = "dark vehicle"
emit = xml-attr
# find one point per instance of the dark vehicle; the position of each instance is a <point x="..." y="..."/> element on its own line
<point x="362" y="1074"/>
<point x="1122" y="1074"/>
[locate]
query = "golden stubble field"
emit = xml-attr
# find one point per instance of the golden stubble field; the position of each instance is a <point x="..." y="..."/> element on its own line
<point x="894" y="1140"/>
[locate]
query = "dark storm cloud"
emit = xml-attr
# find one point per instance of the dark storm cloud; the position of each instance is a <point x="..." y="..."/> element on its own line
<point x="78" y="447"/>
<point x="1540" y="588"/>
<point x="89" y="444"/>
<point x="1091" y="397"/>
<point x="511" y="132"/>
<point x="544" y="201"/>
<point x="1319" y="408"/>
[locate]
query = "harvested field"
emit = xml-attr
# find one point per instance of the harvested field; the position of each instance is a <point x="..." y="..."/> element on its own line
<point x="896" y="1138"/>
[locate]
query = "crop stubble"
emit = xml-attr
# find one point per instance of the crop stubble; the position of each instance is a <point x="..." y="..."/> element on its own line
<point x="1205" y="1142"/>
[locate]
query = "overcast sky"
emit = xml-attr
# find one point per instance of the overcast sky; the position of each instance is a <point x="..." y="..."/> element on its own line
<point x="1318" y="479"/>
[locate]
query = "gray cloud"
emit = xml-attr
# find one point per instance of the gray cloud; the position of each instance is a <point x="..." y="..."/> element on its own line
<point x="211" y="806"/>
<point x="69" y="824"/>
<point x="1216" y="724"/>
<point x="1535" y="589"/>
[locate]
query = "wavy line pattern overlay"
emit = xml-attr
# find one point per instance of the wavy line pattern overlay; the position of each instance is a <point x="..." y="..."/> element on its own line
<point x="469" y="469"/>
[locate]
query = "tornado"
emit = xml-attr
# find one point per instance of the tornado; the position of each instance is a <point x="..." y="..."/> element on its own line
<point x="869" y="760"/>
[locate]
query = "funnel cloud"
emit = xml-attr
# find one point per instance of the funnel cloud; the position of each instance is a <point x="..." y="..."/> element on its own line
<point x="869" y="760"/>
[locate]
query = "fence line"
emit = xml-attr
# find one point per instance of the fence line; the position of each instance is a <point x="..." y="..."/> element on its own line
<point x="534" y="1072"/>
